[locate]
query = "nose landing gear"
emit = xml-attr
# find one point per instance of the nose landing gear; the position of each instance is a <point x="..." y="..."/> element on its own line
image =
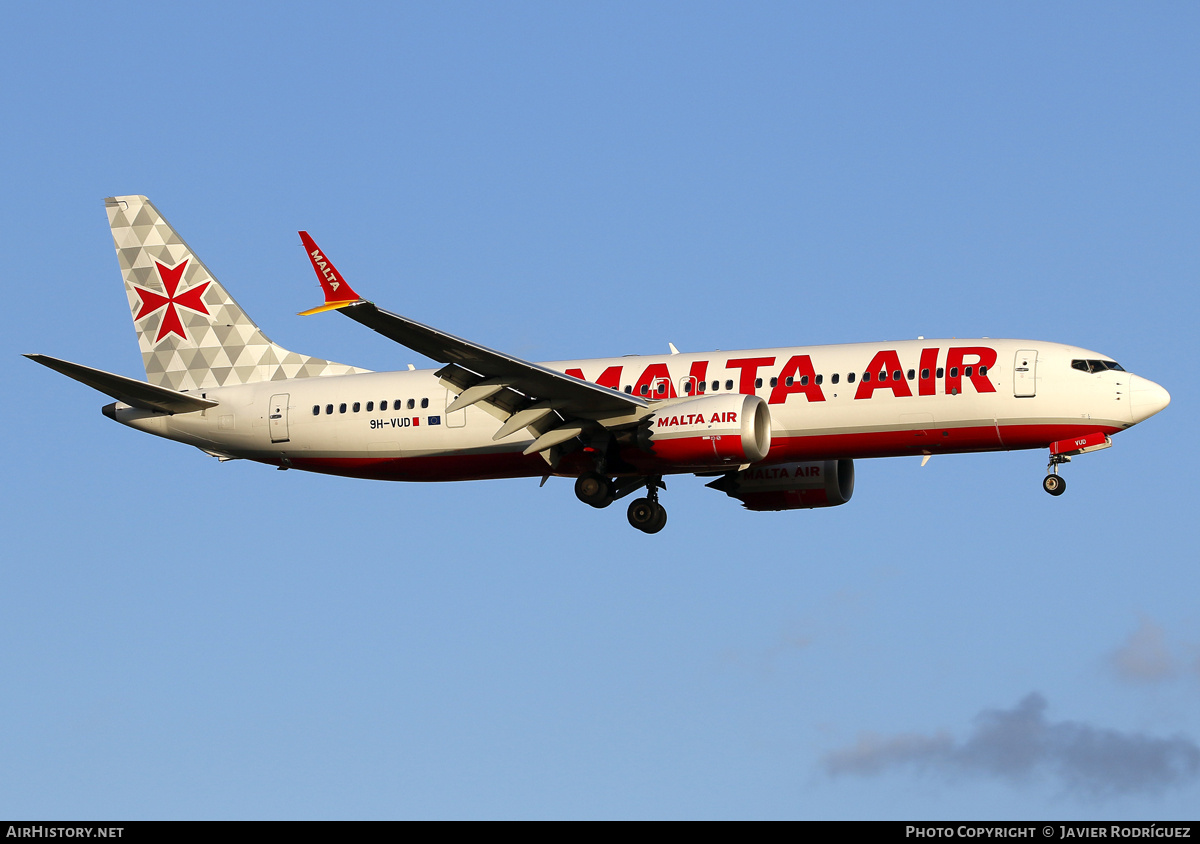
<point x="1054" y="483"/>
<point x="1062" y="451"/>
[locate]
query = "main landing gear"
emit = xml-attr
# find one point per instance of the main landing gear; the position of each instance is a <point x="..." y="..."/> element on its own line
<point x="594" y="489"/>
<point x="1054" y="483"/>
<point x="645" y="514"/>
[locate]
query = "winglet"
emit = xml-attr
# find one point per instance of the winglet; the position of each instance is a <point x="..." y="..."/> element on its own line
<point x="338" y="293"/>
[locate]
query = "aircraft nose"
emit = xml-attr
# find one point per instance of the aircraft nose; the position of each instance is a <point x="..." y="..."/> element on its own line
<point x="1146" y="398"/>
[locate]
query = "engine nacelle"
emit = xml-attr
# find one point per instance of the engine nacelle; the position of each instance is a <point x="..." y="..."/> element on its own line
<point x="790" y="486"/>
<point x="710" y="431"/>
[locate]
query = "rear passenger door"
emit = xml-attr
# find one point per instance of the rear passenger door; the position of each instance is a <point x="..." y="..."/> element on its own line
<point x="278" y="416"/>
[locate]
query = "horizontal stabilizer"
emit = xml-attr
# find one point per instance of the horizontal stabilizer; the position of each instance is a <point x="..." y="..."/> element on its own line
<point x="129" y="390"/>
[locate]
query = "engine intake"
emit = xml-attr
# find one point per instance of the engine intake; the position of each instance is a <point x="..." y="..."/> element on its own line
<point x="710" y="431"/>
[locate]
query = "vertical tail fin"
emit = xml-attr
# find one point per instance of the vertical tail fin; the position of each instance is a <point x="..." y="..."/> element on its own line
<point x="192" y="333"/>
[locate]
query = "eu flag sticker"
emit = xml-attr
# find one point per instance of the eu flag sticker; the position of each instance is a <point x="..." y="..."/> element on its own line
<point x="434" y="420"/>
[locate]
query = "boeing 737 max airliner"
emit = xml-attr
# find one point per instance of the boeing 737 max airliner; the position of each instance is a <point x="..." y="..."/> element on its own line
<point x="777" y="429"/>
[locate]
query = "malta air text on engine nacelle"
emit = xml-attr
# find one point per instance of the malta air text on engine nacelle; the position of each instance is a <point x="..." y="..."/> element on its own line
<point x="790" y="486"/>
<point x="710" y="432"/>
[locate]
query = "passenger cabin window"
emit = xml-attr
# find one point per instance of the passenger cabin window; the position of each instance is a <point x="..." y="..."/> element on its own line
<point x="412" y="403"/>
<point x="329" y="408"/>
<point x="967" y="372"/>
<point x="700" y="387"/>
<point x="924" y="374"/>
<point x="983" y="370"/>
<point x="645" y="390"/>
<point x="866" y="376"/>
<point x="629" y="389"/>
<point x="357" y="407"/>
<point x="849" y="377"/>
<point x="912" y="373"/>
<point x="729" y="385"/>
<point x="757" y="383"/>
<point x="370" y="406"/>
<point x="774" y="382"/>
<point x="834" y="378"/>
<point x="940" y="370"/>
<point x="896" y="375"/>
<point x="316" y="410"/>
<point x="342" y="407"/>
<point x="820" y="378"/>
<point x="803" y="380"/>
<point x="954" y="372"/>
<point x="424" y="403"/>
<point x="789" y="381"/>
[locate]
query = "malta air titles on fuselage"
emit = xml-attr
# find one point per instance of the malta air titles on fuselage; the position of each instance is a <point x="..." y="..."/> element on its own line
<point x="911" y="369"/>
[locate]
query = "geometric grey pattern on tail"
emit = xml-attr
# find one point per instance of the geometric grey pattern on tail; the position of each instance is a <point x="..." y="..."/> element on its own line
<point x="192" y="333"/>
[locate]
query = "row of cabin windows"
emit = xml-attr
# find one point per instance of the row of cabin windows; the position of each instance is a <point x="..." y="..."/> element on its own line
<point x="398" y="404"/>
<point x="897" y="375"/>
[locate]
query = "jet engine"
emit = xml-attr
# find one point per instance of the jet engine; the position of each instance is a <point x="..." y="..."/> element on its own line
<point x="790" y="486"/>
<point x="709" y="432"/>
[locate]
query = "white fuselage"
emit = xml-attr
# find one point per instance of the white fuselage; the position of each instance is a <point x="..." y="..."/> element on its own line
<point x="824" y="401"/>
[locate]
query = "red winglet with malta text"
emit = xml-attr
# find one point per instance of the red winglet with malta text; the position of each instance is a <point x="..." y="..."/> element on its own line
<point x="338" y="293"/>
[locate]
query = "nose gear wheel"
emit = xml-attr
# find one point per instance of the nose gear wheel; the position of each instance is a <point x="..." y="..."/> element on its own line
<point x="1054" y="483"/>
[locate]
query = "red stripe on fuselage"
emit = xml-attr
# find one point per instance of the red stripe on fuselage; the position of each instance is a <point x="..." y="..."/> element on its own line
<point x="943" y="440"/>
<point x="867" y="444"/>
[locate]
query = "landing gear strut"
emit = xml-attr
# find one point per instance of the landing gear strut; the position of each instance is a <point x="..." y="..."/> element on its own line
<point x="646" y="514"/>
<point x="1054" y="483"/>
<point x="1061" y="452"/>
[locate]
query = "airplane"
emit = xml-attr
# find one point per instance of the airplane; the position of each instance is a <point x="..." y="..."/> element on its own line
<point x="776" y="429"/>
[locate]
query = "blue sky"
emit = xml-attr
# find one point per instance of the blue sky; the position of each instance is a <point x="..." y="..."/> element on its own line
<point x="187" y="639"/>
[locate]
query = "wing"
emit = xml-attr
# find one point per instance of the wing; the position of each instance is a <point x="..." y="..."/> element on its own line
<point x="555" y="407"/>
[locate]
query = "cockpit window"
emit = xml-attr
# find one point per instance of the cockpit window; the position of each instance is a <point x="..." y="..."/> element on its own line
<point x="1096" y="365"/>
